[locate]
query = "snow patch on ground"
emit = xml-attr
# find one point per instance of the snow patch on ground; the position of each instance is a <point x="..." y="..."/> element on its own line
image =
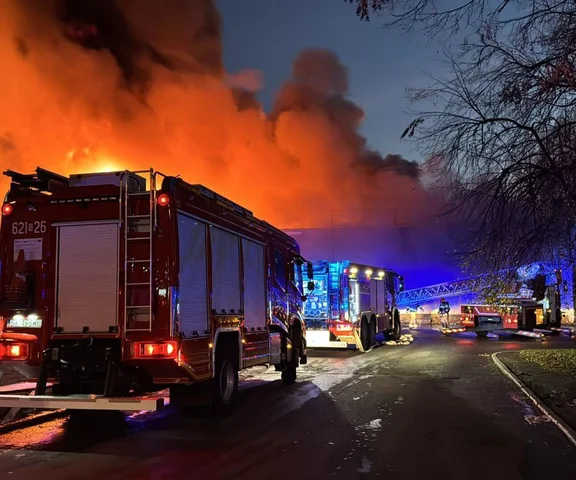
<point x="365" y="465"/>
<point x="372" y="425"/>
<point x="326" y="382"/>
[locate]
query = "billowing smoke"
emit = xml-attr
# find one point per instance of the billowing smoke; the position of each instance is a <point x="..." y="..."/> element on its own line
<point x="111" y="84"/>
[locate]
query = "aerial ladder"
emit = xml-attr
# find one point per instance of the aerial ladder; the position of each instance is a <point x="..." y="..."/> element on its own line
<point x="472" y="286"/>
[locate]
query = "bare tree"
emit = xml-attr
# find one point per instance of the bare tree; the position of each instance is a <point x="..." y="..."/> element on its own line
<point x="434" y="16"/>
<point x="501" y="130"/>
<point x="504" y="127"/>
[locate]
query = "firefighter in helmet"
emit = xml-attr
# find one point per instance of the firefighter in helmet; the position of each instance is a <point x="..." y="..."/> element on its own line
<point x="444" y="312"/>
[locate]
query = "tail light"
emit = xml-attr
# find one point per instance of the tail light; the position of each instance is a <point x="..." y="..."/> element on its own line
<point x="7" y="209"/>
<point x="13" y="351"/>
<point x="163" y="200"/>
<point x="343" y="327"/>
<point x="155" y="350"/>
<point x="467" y="319"/>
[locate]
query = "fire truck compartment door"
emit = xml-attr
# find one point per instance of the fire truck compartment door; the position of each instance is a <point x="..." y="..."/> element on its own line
<point x="378" y="296"/>
<point x="193" y="276"/>
<point x="225" y="271"/>
<point x="254" y="285"/>
<point x="87" y="288"/>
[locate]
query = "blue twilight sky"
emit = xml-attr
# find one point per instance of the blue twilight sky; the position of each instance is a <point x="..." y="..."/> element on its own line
<point x="268" y="34"/>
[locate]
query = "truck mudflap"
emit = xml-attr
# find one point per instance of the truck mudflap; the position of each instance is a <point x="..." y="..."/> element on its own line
<point x="86" y="402"/>
<point x="321" y="339"/>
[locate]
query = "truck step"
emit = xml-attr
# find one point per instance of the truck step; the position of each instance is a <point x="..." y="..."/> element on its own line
<point x="85" y="402"/>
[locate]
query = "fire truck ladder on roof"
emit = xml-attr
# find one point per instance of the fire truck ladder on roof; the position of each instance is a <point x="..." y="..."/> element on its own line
<point x="138" y="230"/>
<point x="417" y="296"/>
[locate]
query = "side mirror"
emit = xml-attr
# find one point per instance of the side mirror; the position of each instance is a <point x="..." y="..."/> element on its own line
<point x="310" y="286"/>
<point x="310" y="271"/>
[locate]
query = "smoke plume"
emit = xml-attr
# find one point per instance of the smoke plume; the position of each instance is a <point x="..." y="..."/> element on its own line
<point x="95" y="85"/>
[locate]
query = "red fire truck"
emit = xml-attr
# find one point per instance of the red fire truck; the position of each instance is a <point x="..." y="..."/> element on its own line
<point x="533" y="308"/>
<point x="112" y="288"/>
<point x="350" y="304"/>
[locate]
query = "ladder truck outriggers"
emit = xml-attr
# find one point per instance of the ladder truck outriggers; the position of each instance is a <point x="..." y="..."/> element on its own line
<point x="352" y="303"/>
<point x="115" y="285"/>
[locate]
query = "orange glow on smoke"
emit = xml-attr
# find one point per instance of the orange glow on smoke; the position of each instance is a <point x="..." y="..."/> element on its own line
<point x="67" y="108"/>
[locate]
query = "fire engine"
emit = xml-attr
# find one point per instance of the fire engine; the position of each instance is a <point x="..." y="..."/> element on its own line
<point x="119" y="284"/>
<point x="532" y="308"/>
<point x="350" y="304"/>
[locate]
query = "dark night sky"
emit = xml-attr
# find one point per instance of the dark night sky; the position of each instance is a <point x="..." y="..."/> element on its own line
<point x="266" y="35"/>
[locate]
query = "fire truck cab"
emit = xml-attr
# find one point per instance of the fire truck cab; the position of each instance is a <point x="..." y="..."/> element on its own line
<point x="119" y="284"/>
<point x="351" y="304"/>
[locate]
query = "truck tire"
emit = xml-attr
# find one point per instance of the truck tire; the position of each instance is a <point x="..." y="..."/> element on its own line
<point x="225" y="382"/>
<point x="289" y="375"/>
<point x="395" y="331"/>
<point x="482" y="334"/>
<point x="367" y="333"/>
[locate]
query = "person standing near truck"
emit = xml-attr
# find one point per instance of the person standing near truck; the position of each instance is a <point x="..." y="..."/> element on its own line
<point x="444" y="312"/>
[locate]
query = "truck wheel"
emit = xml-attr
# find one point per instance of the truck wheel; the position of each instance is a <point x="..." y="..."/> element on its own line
<point x="397" y="327"/>
<point x="395" y="331"/>
<point x="225" y="383"/>
<point x="482" y="334"/>
<point x="289" y="375"/>
<point x="366" y="334"/>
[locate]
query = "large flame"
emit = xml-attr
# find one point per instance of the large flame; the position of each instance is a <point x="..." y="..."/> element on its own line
<point x="129" y="84"/>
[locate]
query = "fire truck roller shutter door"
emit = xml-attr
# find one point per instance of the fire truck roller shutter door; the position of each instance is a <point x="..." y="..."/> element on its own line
<point x="193" y="276"/>
<point x="225" y="271"/>
<point x="87" y="290"/>
<point x="254" y="285"/>
<point x="381" y="297"/>
<point x="373" y="295"/>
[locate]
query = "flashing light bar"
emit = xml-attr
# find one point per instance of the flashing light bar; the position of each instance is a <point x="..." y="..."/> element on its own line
<point x="353" y="271"/>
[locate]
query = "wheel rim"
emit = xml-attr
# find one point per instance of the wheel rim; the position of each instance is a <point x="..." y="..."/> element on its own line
<point x="227" y="381"/>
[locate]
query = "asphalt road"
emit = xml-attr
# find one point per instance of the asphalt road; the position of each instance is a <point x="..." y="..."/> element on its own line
<point x="438" y="408"/>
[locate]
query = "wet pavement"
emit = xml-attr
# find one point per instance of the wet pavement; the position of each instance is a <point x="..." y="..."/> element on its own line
<point x="437" y="408"/>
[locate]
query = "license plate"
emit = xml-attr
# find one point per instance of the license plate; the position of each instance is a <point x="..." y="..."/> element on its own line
<point x="24" y="323"/>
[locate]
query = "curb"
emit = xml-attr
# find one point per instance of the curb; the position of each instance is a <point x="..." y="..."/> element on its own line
<point x="555" y="419"/>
